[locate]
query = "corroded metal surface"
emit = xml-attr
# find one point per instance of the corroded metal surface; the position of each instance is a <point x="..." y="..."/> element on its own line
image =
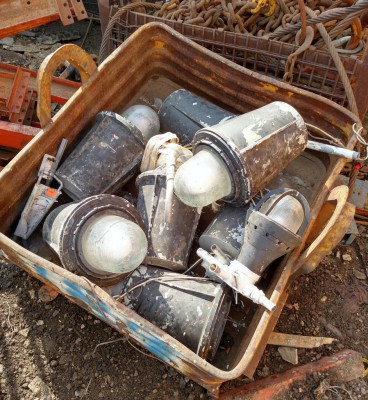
<point x="20" y="15"/>
<point x="346" y="365"/>
<point x="152" y="52"/>
<point x="16" y="136"/>
<point x="61" y="89"/>
<point x="77" y="57"/>
<point x="333" y="221"/>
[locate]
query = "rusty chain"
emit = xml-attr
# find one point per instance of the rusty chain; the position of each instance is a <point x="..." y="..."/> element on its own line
<point x="252" y="17"/>
<point x="267" y="18"/>
<point x="261" y="18"/>
<point x="290" y="63"/>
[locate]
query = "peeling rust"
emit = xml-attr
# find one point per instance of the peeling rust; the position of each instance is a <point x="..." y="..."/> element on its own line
<point x="269" y="87"/>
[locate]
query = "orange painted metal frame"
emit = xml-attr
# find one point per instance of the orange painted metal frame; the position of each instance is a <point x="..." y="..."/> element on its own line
<point x="17" y="87"/>
<point x="16" y="136"/>
<point x="20" y="15"/>
<point x="61" y="89"/>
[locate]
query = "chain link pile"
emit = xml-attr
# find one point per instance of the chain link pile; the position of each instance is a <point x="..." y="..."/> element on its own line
<point x="266" y="18"/>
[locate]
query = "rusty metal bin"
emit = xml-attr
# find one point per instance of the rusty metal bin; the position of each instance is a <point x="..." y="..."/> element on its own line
<point x="153" y="62"/>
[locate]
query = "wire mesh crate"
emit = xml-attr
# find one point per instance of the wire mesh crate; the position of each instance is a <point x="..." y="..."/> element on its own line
<point x="314" y="70"/>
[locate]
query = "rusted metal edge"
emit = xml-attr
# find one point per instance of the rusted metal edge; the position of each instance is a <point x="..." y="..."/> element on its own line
<point x="65" y="12"/>
<point x="346" y="365"/>
<point x="76" y="57"/>
<point x="298" y="341"/>
<point x="18" y="90"/>
<point x="27" y="24"/>
<point x="20" y="117"/>
<point x="361" y="93"/>
<point x="79" y="9"/>
<point x="332" y="239"/>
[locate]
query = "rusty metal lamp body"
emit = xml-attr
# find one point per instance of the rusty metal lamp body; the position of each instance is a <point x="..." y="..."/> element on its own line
<point x="190" y="309"/>
<point x="234" y="160"/>
<point x="274" y="227"/>
<point x="170" y="225"/>
<point x="109" y="155"/>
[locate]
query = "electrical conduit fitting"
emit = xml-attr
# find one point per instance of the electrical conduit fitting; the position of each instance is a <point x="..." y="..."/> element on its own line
<point x="274" y="227"/>
<point x="100" y="237"/>
<point x="170" y="225"/>
<point x="241" y="155"/>
<point x="238" y="277"/>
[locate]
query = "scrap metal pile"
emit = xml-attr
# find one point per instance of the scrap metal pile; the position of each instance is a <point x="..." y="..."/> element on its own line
<point x="132" y="200"/>
<point x="18" y="99"/>
<point x="288" y="21"/>
<point x="181" y="210"/>
<point x="319" y="46"/>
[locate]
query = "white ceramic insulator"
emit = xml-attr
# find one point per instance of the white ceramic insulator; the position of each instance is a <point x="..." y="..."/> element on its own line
<point x="202" y="180"/>
<point x="112" y="244"/>
<point x="144" y="118"/>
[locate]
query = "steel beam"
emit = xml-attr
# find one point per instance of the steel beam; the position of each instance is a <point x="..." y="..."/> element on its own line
<point x="16" y="136"/>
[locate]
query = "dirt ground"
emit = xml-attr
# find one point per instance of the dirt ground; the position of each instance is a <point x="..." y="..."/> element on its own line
<point x="58" y="351"/>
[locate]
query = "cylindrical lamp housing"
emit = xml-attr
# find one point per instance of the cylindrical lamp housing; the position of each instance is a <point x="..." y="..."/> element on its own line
<point x="100" y="237"/>
<point x="192" y="311"/>
<point x="255" y="147"/>
<point x="169" y="241"/>
<point x="108" y="156"/>
<point x="184" y="113"/>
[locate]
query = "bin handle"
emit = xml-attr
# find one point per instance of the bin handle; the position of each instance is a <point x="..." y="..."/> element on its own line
<point x="77" y="57"/>
<point x="330" y="235"/>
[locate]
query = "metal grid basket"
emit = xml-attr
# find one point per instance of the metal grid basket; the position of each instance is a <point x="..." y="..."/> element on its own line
<point x="314" y="71"/>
